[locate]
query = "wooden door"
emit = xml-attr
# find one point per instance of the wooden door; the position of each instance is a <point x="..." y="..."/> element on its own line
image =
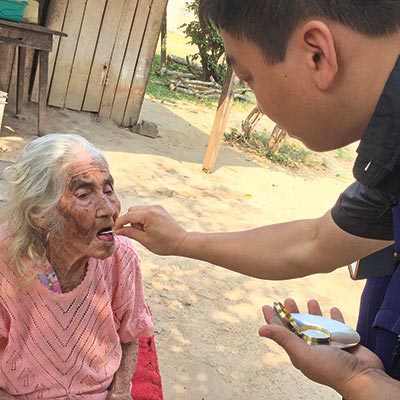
<point x="104" y="64"/>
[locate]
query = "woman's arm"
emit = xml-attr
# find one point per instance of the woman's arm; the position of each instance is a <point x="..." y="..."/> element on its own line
<point x="5" y="396"/>
<point x="121" y="385"/>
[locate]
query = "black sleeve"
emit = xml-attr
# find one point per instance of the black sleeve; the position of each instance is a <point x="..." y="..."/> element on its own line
<point x="364" y="212"/>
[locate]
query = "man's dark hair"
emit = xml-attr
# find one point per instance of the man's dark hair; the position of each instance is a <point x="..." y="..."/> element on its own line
<point x="270" y="23"/>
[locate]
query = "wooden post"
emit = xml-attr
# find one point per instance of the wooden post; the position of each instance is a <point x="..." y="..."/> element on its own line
<point x="7" y="54"/>
<point x="43" y="80"/>
<point x="20" y="79"/>
<point x="220" y="122"/>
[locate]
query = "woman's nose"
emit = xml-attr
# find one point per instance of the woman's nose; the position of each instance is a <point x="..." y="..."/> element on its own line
<point x="105" y="207"/>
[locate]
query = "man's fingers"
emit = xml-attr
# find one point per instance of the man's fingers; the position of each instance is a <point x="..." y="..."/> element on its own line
<point x="291" y="305"/>
<point x="337" y="314"/>
<point x="130" y="232"/>
<point x="131" y="217"/>
<point x="269" y="314"/>
<point x="313" y="307"/>
<point x="286" y="339"/>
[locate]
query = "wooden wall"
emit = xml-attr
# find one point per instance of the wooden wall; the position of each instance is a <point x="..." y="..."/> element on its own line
<point x="104" y="64"/>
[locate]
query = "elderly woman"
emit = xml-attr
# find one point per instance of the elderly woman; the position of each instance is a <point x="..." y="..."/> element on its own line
<point x="71" y="296"/>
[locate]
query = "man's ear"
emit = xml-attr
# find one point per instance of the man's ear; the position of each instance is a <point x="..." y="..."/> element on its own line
<point x="321" y="54"/>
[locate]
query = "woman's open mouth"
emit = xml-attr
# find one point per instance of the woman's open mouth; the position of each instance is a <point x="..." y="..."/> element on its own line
<point x="106" y="235"/>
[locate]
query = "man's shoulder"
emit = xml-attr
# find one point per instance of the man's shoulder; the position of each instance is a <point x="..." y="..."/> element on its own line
<point x="364" y="212"/>
<point x="378" y="162"/>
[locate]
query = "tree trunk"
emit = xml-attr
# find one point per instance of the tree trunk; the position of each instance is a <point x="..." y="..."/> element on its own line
<point x="251" y="121"/>
<point x="164" y="40"/>
<point x="206" y="73"/>
<point x="277" y="139"/>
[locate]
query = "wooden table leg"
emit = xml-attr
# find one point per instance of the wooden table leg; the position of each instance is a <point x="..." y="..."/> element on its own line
<point x="43" y="78"/>
<point x="20" y="79"/>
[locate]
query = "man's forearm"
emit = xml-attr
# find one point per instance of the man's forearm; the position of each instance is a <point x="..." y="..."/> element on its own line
<point x="260" y="253"/>
<point x="374" y="384"/>
<point x="282" y="251"/>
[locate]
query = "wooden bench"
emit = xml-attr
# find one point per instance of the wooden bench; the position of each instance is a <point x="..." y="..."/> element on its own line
<point x="38" y="38"/>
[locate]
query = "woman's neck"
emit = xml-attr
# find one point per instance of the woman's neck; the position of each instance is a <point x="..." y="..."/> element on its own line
<point x="72" y="279"/>
<point x="70" y="272"/>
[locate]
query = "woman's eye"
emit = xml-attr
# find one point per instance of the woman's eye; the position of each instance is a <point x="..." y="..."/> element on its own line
<point x="108" y="190"/>
<point x="83" y="196"/>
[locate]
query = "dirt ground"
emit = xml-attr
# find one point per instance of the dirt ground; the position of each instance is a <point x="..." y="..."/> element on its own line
<point x="207" y="318"/>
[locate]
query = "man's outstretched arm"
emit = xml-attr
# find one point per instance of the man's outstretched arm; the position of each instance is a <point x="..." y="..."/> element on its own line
<point x="282" y="251"/>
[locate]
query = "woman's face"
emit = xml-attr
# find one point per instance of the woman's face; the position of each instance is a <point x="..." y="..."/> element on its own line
<point x="87" y="208"/>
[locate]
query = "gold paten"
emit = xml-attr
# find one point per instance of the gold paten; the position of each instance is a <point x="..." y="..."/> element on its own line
<point x="306" y="331"/>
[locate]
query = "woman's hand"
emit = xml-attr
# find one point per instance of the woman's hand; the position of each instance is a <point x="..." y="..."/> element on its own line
<point x="5" y="396"/>
<point x="341" y="370"/>
<point x="118" y="396"/>
<point x="153" y="227"/>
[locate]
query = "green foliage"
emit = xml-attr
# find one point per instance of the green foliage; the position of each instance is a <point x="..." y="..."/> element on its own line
<point x="208" y="40"/>
<point x="163" y="93"/>
<point x="290" y="155"/>
<point x="344" y="154"/>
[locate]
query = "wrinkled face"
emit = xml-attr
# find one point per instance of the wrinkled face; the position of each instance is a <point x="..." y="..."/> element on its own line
<point x="88" y="209"/>
<point x="283" y="90"/>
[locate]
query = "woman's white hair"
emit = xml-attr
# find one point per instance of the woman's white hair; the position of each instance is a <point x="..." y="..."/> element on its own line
<point x="36" y="183"/>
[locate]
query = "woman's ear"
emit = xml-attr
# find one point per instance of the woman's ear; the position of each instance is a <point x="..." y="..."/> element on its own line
<point x="321" y="56"/>
<point x="38" y="222"/>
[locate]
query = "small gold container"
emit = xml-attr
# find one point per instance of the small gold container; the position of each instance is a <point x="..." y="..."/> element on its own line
<point x="317" y="330"/>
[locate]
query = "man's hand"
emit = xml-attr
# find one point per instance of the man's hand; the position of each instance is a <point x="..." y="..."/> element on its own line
<point x="330" y="366"/>
<point x="153" y="227"/>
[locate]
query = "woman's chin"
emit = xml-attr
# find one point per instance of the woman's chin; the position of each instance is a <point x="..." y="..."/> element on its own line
<point x="106" y="251"/>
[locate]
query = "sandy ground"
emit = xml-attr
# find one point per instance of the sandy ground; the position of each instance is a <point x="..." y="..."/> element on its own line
<point x="207" y="318"/>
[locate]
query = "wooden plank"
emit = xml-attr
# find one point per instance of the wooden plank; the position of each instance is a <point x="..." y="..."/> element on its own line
<point x="7" y="54"/>
<point x="102" y="57"/>
<point x="66" y="52"/>
<point x="43" y="81"/>
<point x="220" y="122"/>
<point x="130" y="61"/>
<point x="128" y="15"/>
<point x="54" y="20"/>
<point x="15" y="85"/>
<point x="145" y="61"/>
<point x="30" y="69"/>
<point x="12" y="87"/>
<point x="29" y="28"/>
<point x="84" y="53"/>
<point x="20" y="78"/>
<point x="23" y="37"/>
